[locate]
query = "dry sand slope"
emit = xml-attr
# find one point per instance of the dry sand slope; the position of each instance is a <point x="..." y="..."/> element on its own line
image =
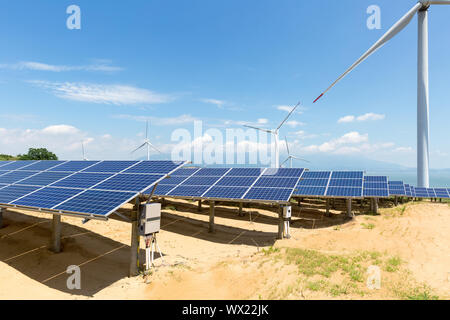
<point x="410" y="244"/>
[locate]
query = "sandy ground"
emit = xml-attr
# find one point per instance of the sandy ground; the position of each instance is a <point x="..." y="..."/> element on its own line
<point x="223" y="265"/>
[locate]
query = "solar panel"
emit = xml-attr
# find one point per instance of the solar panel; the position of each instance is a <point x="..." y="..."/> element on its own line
<point x="244" y="172"/>
<point x="111" y="166"/>
<point x="431" y="193"/>
<point x="96" y="202"/>
<point x="4" y="163"/>
<point x="310" y="191"/>
<point x="82" y="180"/>
<point x="236" y="181"/>
<point x="44" y="178"/>
<point x="313" y="183"/>
<point x="73" y="166"/>
<point x="347" y="175"/>
<point x="189" y="191"/>
<point x="43" y="165"/>
<point x="52" y="184"/>
<point x="421" y="192"/>
<point x="47" y="197"/>
<point x="219" y="192"/>
<point x="129" y="182"/>
<point x="200" y="181"/>
<point x="316" y="175"/>
<point x="382" y="179"/>
<point x="283" y="172"/>
<point x="408" y="190"/>
<point x="344" y="192"/>
<point x="347" y="184"/>
<point x="185" y="172"/>
<point x="276" y="182"/>
<point x="397" y="188"/>
<point x="441" y="193"/>
<point x="15" y="176"/>
<point x="217" y="172"/>
<point x="18" y="164"/>
<point x="172" y="180"/>
<point x="376" y="186"/>
<point x="269" y="194"/>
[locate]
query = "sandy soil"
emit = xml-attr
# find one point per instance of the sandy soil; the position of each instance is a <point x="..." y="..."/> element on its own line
<point x="225" y="265"/>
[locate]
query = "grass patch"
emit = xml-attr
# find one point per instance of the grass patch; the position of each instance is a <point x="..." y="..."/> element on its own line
<point x="392" y="264"/>
<point x="368" y="226"/>
<point x="170" y="208"/>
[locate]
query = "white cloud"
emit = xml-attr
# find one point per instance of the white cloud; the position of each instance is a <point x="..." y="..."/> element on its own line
<point x="100" y="93"/>
<point x="157" y="121"/>
<point x="218" y="103"/>
<point x="39" y="66"/>
<point x="294" y="123"/>
<point x="263" y="121"/>
<point x="350" y="142"/>
<point x="289" y="108"/>
<point x="60" y="129"/>
<point x="365" y="117"/>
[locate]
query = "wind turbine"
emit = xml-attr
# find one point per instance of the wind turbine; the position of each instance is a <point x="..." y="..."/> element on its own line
<point x="276" y="164"/>
<point x="82" y="150"/>
<point x="290" y="156"/>
<point x="421" y="8"/>
<point x="146" y="143"/>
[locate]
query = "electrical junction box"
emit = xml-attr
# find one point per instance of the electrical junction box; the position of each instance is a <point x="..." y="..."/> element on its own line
<point x="287" y="212"/>
<point x="150" y="219"/>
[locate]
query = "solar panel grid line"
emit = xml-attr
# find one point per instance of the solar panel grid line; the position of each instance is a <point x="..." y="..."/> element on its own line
<point x="44" y="163"/>
<point x="164" y="177"/>
<point x="20" y="165"/>
<point x="311" y="183"/>
<point x="5" y="163"/>
<point x="187" y="177"/>
<point x="253" y="184"/>
<point x="216" y="182"/>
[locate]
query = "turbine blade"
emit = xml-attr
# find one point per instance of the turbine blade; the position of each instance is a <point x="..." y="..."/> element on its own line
<point x="439" y="2"/>
<point x="151" y="145"/>
<point x="285" y="119"/>
<point x="287" y="146"/>
<point x="284" y="161"/>
<point x="260" y="129"/>
<point x="141" y="146"/>
<point x="394" y="30"/>
<point x="297" y="158"/>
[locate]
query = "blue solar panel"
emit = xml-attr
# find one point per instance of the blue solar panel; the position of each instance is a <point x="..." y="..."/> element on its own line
<point x="96" y="202"/>
<point x="15" y="176"/>
<point x="225" y="192"/>
<point x="200" y="181"/>
<point x="276" y="182"/>
<point x="431" y="193"/>
<point x="316" y="175"/>
<point x="379" y="193"/>
<point x="111" y="166"/>
<point x="283" y="172"/>
<point x="237" y="181"/>
<point x="4" y="163"/>
<point x="310" y="191"/>
<point x="347" y="175"/>
<point x="375" y="179"/>
<point x="346" y="183"/>
<point x="344" y="192"/>
<point x="218" y="172"/>
<point x="12" y="193"/>
<point x="421" y="192"/>
<point x="17" y="165"/>
<point x="47" y="197"/>
<point x="43" y="165"/>
<point x="185" y="172"/>
<point x="189" y="191"/>
<point x="161" y="190"/>
<point x="313" y="182"/>
<point x="397" y="189"/>
<point x="396" y="183"/>
<point x="245" y="172"/>
<point x="162" y="167"/>
<point x="129" y="182"/>
<point x="44" y="178"/>
<point x="3" y="172"/>
<point x="73" y="166"/>
<point x="82" y="180"/>
<point x="269" y="194"/>
<point x="375" y="185"/>
<point x="172" y="180"/>
<point x="441" y="193"/>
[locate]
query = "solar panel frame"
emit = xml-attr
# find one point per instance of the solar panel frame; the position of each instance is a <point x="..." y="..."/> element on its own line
<point x="375" y="187"/>
<point x="353" y="185"/>
<point x="441" y="193"/>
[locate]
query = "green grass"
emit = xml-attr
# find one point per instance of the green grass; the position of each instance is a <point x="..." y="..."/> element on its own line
<point x="170" y="208"/>
<point x="368" y="226"/>
<point x="392" y="264"/>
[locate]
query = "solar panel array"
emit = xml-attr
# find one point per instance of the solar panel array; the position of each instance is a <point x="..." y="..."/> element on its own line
<point x="94" y="188"/>
<point x="376" y="187"/>
<point x="248" y="184"/>
<point x="397" y="188"/>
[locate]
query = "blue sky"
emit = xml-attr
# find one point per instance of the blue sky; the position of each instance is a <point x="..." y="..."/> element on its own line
<point x="222" y="62"/>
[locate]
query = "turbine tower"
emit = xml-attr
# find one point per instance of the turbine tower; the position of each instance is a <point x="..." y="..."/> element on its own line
<point x="421" y="8"/>
<point x="290" y="156"/>
<point x="82" y="150"/>
<point x="274" y="132"/>
<point x="146" y="143"/>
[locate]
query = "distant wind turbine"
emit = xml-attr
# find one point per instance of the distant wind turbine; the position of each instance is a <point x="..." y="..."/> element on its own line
<point x="82" y="150"/>
<point x="290" y="156"/>
<point x="421" y="8"/>
<point x="275" y="132"/>
<point x="146" y="143"/>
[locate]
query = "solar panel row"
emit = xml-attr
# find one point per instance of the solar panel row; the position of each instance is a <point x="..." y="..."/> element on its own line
<point x="79" y="187"/>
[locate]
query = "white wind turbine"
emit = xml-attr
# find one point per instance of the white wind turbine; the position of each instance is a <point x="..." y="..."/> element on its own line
<point x="290" y="156"/>
<point x="146" y="143"/>
<point x="421" y="8"/>
<point x="82" y="150"/>
<point x="275" y="132"/>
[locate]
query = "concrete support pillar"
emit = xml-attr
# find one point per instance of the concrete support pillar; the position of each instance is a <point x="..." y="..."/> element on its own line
<point x="199" y="207"/>
<point x="134" y="247"/>
<point x="327" y="207"/>
<point x="280" y="223"/>
<point x="241" y="213"/>
<point x="56" y="234"/>
<point x="349" y="208"/>
<point x="211" y="216"/>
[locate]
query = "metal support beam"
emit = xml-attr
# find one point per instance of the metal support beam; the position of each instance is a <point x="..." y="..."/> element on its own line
<point x="211" y="216"/>
<point x="56" y="234"/>
<point x="134" y="247"/>
<point x="199" y="206"/>
<point x="349" y="208"/>
<point x="280" y="223"/>
<point x="241" y="213"/>
<point x="327" y="205"/>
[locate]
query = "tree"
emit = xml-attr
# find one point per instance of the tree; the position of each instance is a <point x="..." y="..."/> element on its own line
<point x="38" y="154"/>
<point x="4" y="157"/>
